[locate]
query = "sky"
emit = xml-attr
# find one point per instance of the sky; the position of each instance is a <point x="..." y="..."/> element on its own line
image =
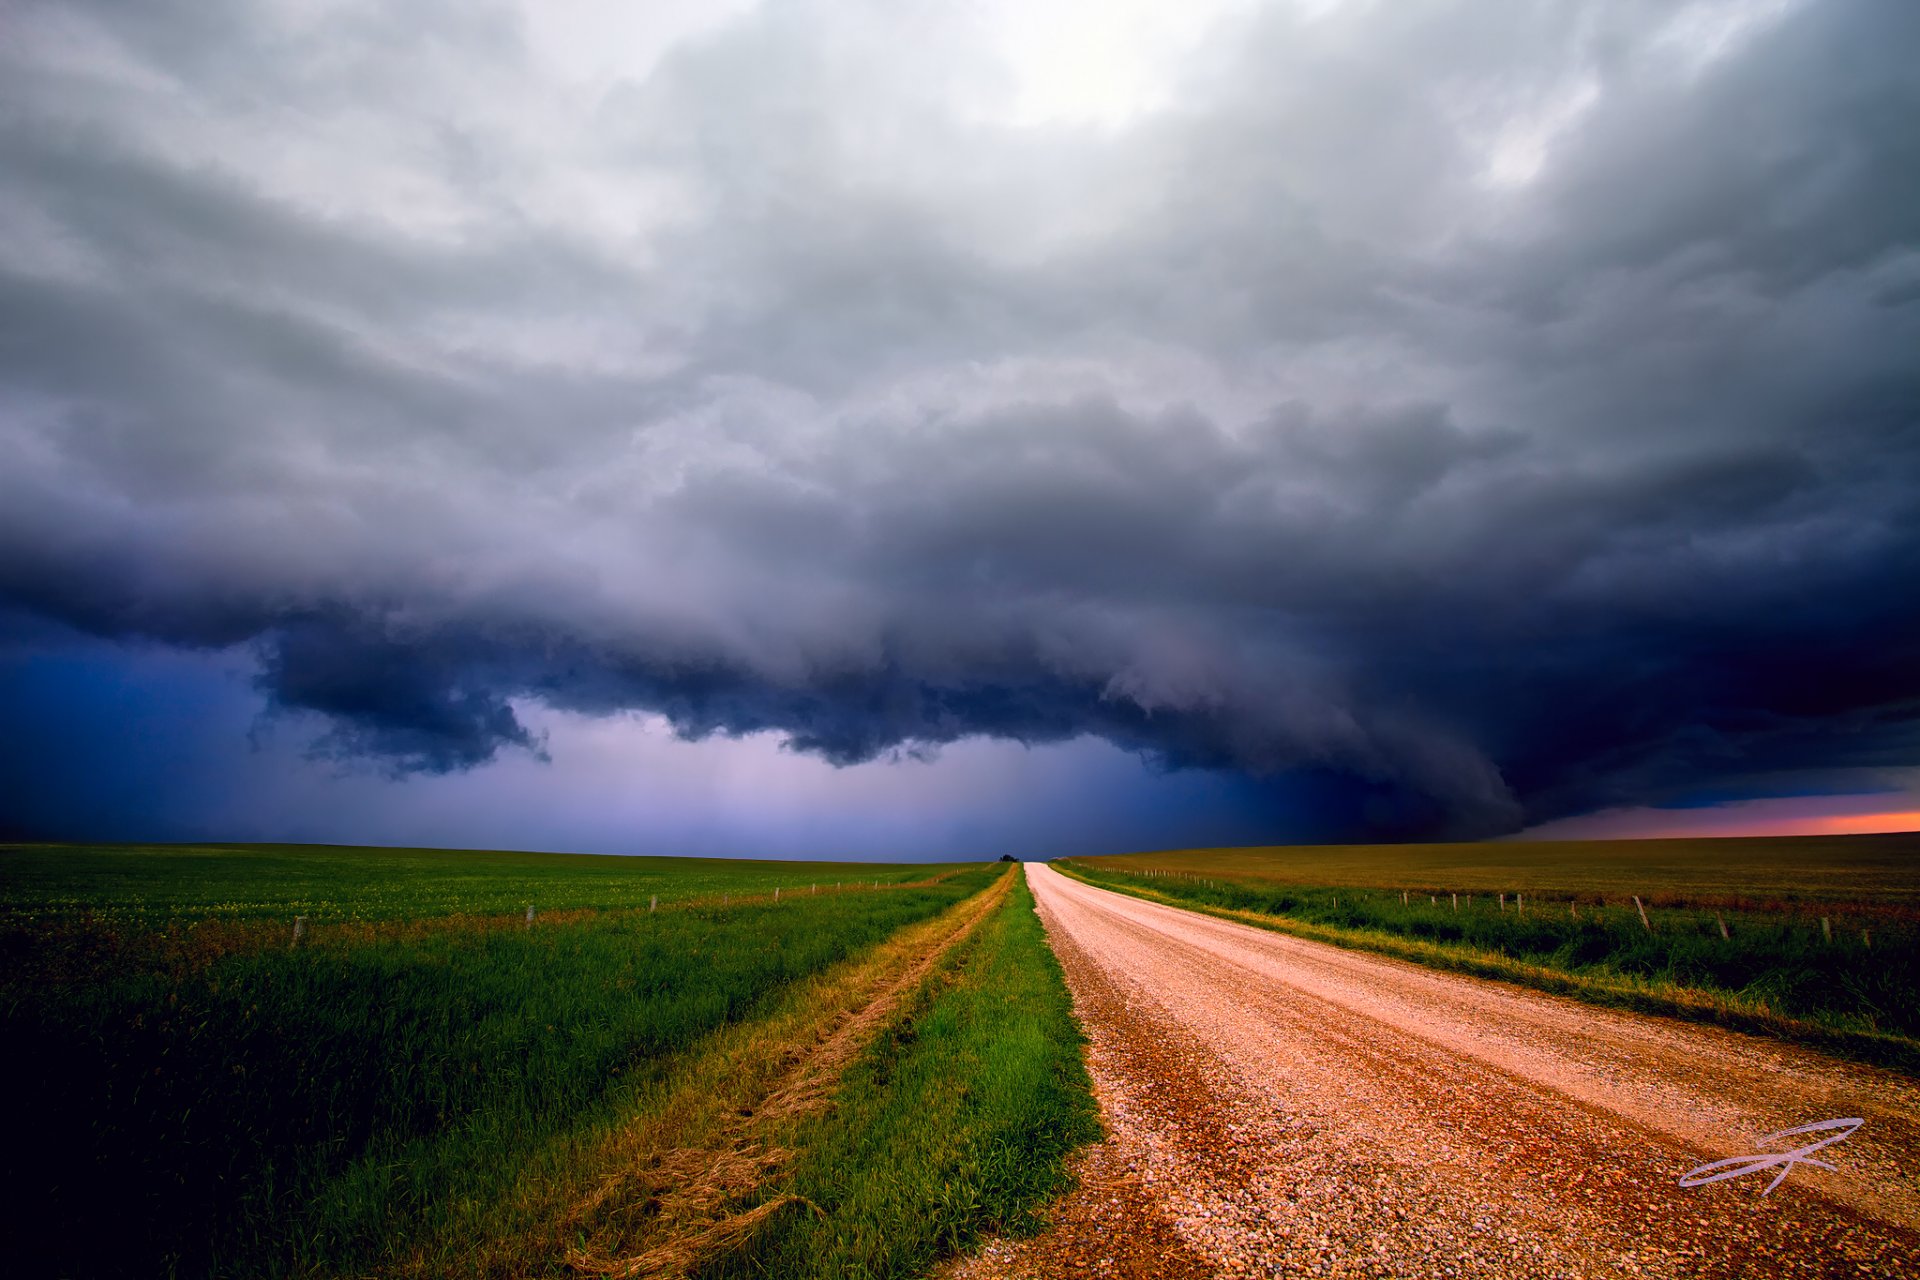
<point x="928" y="430"/>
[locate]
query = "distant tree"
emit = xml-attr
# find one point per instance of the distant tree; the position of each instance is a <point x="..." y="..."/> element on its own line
<point x="1007" y="857"/>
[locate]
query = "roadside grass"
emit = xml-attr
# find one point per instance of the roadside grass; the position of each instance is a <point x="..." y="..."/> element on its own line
<point x="957" y="1122"/>
<point x="1844" y="976"/>
<point x="271" y="1110"/>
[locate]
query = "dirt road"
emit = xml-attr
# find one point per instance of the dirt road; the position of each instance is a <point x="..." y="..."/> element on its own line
<point x="1285" y="1107"/>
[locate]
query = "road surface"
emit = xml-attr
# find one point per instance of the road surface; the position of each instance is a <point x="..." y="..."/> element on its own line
<point x="1279" y="1106"/>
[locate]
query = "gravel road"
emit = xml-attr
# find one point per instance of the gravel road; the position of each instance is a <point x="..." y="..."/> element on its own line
<point x="1283" y="1107"/>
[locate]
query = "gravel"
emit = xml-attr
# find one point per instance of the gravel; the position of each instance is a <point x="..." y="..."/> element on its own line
<point x="1282" y="1107"/>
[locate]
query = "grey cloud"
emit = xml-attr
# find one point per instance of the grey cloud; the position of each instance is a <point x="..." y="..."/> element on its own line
<point x="1262" y="434"/>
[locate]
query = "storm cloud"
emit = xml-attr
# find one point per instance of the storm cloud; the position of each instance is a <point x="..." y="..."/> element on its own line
<point x="1480" y="415"/>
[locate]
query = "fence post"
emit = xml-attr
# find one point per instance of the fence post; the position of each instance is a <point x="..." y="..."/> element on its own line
<point x="299" y="930"/>
<point x="1456" y="902"/>
<point x="529" y="915"/>
<point x="1826" y="928"/>
<point x="1520" y="903"/>
<point x="1866" y="939"/>
<point x="1503" y="902"/>
<point x="1644" y="922"/>
<point x="1722" y="922"/>
<point x="653" y="903"/>
<point x="776" y="893"/>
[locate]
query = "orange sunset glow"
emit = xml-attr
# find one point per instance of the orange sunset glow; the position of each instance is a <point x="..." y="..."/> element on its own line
<point x="1782" y="816"/>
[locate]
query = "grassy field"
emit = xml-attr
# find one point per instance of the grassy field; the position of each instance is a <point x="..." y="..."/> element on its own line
<point x="423" y="1071"/>
<point x="1856" y="871"/>
<point x="244" y="883"/>
<point x="1815" y="940"/>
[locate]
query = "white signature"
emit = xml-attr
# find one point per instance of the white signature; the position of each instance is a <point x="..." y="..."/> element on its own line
<point x="1741" y="1166"/>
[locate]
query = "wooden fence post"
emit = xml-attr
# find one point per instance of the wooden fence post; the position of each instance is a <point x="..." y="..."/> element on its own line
<point x="1503" y="902"/>
<point x="653" y="903"/>
<point x="1644" y="922"/>
<point x="1456" y="902"/>
<point x="1826" y="928"/>
<point x="299" y="930"/>
<point x="1722" y="922"/>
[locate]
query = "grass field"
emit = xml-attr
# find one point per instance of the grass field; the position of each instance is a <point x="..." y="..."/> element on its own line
<point x="423" y="1070"/>
<point x="1858" y="871"/>
<point x="244" y="883"/>
<point x="1816" y="940"/>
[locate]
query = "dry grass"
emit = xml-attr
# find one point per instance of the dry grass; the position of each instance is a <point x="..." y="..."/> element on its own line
<point x="1879" y="873"/>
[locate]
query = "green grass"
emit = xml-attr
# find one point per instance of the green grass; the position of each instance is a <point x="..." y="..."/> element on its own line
<point x="153" y="883"/>
<point x="956" y="1123"/>
<point x="1848" y="984"/>
<point x="232" y="1107"/>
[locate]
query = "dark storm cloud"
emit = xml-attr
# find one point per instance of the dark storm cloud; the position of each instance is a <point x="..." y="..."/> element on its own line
<point x="1483" y="418"/>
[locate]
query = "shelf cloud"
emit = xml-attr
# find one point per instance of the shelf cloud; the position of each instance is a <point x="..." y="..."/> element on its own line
<point x="1475" y="418"/>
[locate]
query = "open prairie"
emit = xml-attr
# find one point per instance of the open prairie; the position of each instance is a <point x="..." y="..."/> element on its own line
<point x="331" y="883"/>
<point x="420" y="1078"/>
<point x="685" y="1068"/>
<point x="1873" y="871"/>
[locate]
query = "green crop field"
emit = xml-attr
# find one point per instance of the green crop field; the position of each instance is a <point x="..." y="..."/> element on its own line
<point x="154" y="883"/>
<point x="209" y="1096"/>
<point x="1812" y="939"/>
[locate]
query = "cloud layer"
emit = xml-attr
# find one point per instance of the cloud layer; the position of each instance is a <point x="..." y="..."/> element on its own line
<point x="1485" y="419"/>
